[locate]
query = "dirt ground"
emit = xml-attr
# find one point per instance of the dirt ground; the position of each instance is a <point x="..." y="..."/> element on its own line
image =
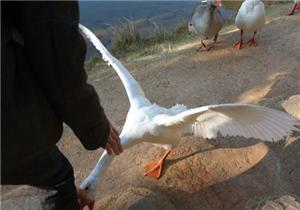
<point x="231" y="173"/>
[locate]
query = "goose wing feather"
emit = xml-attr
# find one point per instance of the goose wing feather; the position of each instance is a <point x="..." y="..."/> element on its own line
<point x="250" y="121"/>
<point x="132" y="87"/>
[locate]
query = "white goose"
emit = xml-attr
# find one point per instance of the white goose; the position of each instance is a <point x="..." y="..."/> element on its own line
<point x="148" y="122"/>
<point x="250" y="18"/>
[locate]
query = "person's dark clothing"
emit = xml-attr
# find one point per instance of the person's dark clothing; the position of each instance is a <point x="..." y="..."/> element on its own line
<point x="43" y="84"/>
<point x="57" y="186"/>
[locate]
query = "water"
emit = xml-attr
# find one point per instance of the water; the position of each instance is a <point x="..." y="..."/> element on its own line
<point x="102" y="14"/>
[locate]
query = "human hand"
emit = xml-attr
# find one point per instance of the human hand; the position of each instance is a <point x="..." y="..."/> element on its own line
<point x="113" y="144"/>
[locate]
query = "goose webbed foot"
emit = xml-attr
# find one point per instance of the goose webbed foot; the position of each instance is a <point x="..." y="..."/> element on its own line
<point x="84" y="200"/>
<point x="239" y="45"/>
<point x="203" y="47"/>
<point x="296" y="7"/>
<point x="154" y="169"/>
<point x="251" y="42"/>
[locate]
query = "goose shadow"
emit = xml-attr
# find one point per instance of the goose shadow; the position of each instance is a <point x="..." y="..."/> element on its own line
<point x="230" y="143"/>
<point x="217" y="143"/>
<point x="271" y="177"/>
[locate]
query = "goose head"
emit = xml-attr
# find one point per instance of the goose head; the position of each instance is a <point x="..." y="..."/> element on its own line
<point x="88" y="187"/>
<point x="86" y="193"/>
<point x="191" y="27"/>
<point x="210" y="6"/>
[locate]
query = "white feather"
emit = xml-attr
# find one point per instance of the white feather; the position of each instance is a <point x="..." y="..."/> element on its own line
<point x="133" y="89"/>
<point x="246" y="120"/>
<point x="251" y="16"/>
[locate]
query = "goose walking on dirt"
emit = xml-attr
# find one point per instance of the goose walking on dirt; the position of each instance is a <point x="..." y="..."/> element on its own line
<point x="207" y="20"/>
<point x="149" y="122"/>
<point x="250" y="18"/>
<point x="295" y="7"/>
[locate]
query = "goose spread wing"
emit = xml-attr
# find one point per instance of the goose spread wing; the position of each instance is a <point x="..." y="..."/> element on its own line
<point x="250" y="121"/>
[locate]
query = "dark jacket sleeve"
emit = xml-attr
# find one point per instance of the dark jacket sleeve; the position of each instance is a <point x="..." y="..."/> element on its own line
<point x="56" y="51"/>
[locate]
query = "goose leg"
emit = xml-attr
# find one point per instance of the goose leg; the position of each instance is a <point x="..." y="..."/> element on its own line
<point x="216" y="38"/>
<point x="203" y="47"/>
<point x="240" y="43"/>
<point x="84" y="200"/>
<point x="154" y="169"/>
<point x="296" y="6"/>
<point x="252" y="41"/>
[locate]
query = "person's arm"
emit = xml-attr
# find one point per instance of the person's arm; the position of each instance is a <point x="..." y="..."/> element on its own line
<point x="56" y="51"/>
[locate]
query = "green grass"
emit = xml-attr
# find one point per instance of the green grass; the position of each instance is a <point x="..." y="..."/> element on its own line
<point x="128" y="39"/>
<point x="92" y="62"/>
<point x="126" y="35"/>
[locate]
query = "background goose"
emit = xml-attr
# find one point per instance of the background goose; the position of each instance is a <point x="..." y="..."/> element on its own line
<point x="207" y="20"/>
<point x="148" y="122"/>
<point x="295" y="7"/>
<point x="250" y="18"/>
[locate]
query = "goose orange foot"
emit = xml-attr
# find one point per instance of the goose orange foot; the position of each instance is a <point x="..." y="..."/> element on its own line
<point x="154" y="169"/>
<point x="204" y="48"/>
<point x="84" y="200"/>
<point x="238" y="45"/>
<point x="251" y="42"/>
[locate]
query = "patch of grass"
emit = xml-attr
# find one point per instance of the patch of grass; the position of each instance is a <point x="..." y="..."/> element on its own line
<point x="128" y="40"/>
<point x="229" y="21"/>
<point x="92" y="63"/>
<point x="232" y="5"/>
<point x="158" y="34"/>
<point x="126" y="35"/>
<point x="275" y="9"/>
